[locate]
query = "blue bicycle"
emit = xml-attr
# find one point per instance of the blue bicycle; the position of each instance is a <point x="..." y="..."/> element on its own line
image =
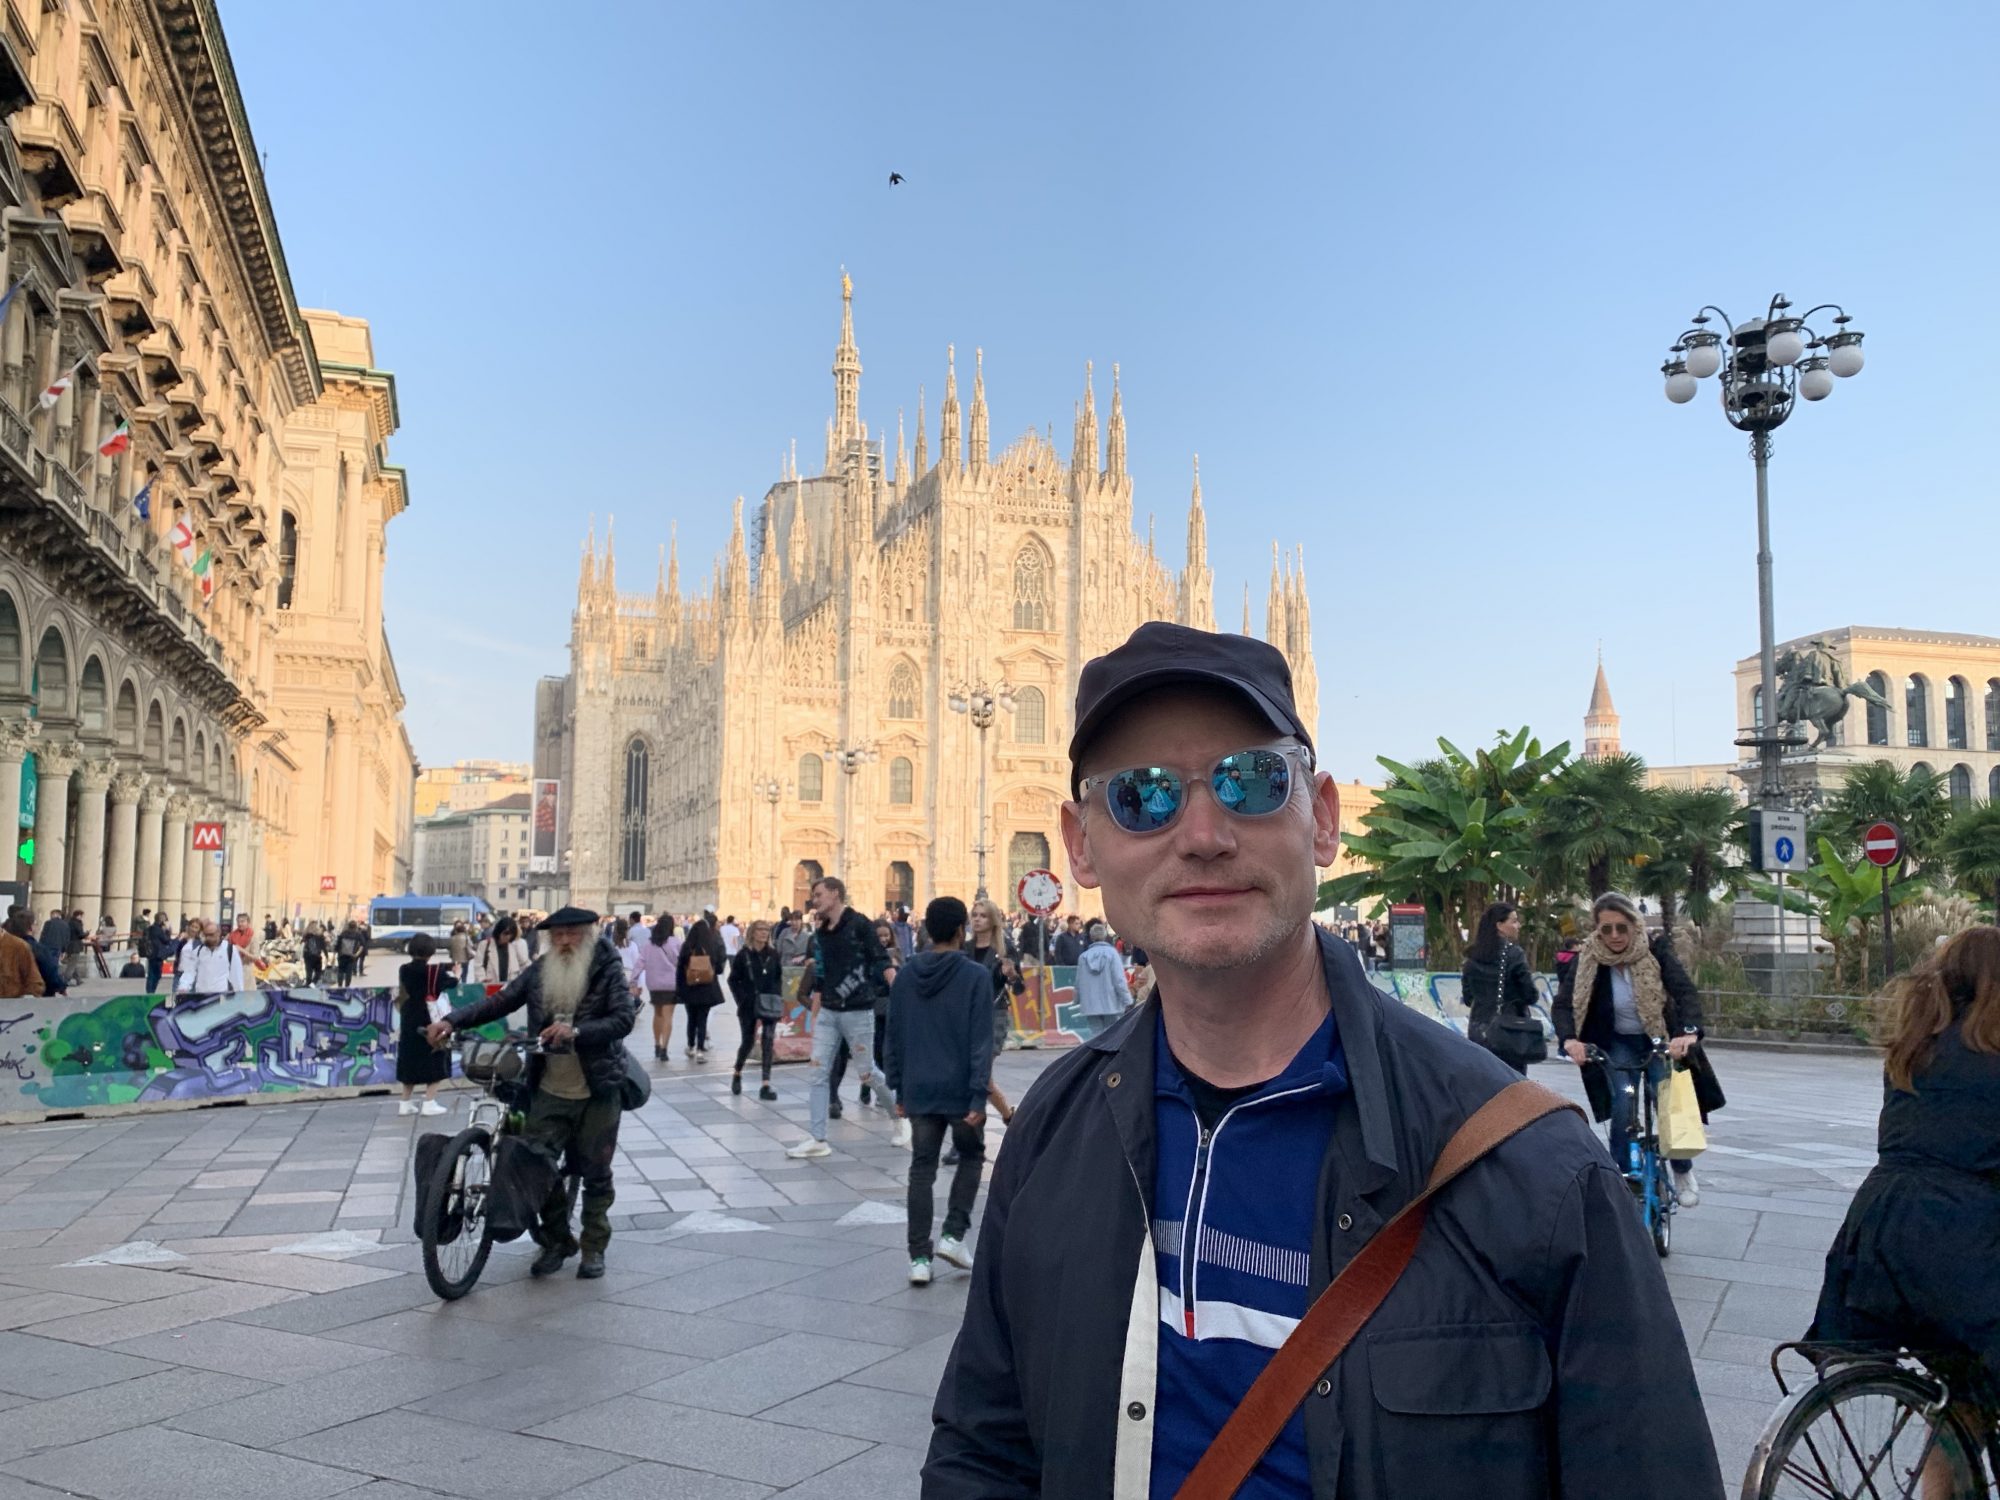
<point x="1647" y="1172"/>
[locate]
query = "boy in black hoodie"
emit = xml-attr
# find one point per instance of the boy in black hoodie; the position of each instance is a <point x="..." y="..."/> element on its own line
<point x="939" y="1055"/>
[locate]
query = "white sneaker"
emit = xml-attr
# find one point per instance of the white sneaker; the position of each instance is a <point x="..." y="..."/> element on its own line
<point x="1686" y="1188"/>
<point x="955" y="1251"/>
<point x="809" y="1148"/>
<point x="920" y="1271"/>
<point x="407" y="1107"/>
<point x="432" y="1107"/>
<point x="903" y="1134"/>
<point x="700" y="1055"/>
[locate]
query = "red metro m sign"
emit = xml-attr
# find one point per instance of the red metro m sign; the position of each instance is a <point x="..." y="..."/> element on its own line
<point x="206" y="836"/>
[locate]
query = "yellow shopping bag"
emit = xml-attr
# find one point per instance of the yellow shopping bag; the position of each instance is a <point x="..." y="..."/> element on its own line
<point x="1682" y="1137"/>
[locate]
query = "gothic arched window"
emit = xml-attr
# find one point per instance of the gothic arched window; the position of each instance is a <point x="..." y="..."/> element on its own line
<point x="1878" y="717"/>
<point x="900" y="887"/>
<point x="902" y="781"/>
<point x="903" y="690"/>
<point x="1031" y="725"/>
<point x="632" y="824"/>
<point x="1917" y="710"/>
<point x="1031" y="589"/>
<point x="812" y="774"/>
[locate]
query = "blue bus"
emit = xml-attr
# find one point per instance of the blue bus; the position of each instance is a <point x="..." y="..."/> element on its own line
<point x="394" y="920"/>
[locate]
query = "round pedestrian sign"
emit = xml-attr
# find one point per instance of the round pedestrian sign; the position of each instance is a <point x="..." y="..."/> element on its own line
<point x="1786" y="850"/>
<point x="1039" y="891"/>
<point x="1882" y="844"/>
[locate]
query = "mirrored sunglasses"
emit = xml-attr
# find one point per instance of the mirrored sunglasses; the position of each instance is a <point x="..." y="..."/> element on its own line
<point x="1250" y="783"/>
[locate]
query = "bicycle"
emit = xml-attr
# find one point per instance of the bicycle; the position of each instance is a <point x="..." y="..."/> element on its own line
<point x="1646" y="1171"/>
<point x="1877" y="1423"/>
<point x="457" y="1237"/>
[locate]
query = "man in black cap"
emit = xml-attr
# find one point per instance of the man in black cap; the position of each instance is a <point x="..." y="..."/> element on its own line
<point x="581" y="1009"/>
<point x="1175" y="1193"/>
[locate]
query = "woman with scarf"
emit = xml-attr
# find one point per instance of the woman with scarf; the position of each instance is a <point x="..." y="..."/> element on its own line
<point x="502" y="953"/>
<point x="756" y="971"/>
<point x="1633" y="991"/>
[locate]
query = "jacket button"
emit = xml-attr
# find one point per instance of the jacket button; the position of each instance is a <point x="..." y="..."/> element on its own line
<point x="1324" y="1388"/>
<point x="1136" y="1411"/>
<point x="1111" y="1082"/>
<point x="1346" y="1222"/>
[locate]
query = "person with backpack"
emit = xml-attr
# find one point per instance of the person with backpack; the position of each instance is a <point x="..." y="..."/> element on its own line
<point x="155" y="945"/>
<point x="313" y="952"/>
<point x="347" y="949"/>
<point x="698" y="982"/>
<point x="938" y="1054"/>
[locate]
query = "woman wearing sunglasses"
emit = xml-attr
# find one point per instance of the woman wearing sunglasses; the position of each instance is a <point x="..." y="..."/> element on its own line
<point x="1633" y="990"/>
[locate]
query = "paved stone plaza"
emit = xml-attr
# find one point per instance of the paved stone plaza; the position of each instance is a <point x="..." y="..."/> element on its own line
<point x="755" y="1335"/>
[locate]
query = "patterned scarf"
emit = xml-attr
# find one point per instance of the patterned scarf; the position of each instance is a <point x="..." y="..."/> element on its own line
<point x="1649" y="993"/>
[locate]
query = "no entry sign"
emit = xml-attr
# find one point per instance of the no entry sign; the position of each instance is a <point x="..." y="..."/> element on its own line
<point x="1882" y="844"/>
<point x="1039" y="891"/>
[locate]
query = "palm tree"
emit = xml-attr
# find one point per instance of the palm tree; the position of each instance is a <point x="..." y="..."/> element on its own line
<point x="1594" y="818"/>
<point x="1693" y="827"/>
<point x="1971" y="850"/>
<point x="1880" y="792"/>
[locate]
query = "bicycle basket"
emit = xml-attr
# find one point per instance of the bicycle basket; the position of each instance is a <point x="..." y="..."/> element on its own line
<point x="486" y="1061"/>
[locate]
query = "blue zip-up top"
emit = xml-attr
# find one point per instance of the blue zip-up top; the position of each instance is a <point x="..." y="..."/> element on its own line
<point x="1232" y="1239"/>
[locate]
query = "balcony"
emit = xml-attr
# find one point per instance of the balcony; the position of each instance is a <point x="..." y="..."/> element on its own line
<point x="50" y="151"/>
<point x="64" y="488"/>
<point x="161" y="354"/>
<point x="16" y="92"/>
<point x="94" y="234"/>
<point x="128" y="302"/>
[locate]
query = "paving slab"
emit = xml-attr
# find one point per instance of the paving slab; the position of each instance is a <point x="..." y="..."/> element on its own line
<point x="456" y="1458"/>
<point x="158" y="1463"/>
<point x="39" y="1367"/>
<point x="138" y="1402"/>
<point x="716" y="1442"/>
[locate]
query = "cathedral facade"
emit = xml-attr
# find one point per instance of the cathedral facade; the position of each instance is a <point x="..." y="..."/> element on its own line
<point x="809" y="709"/>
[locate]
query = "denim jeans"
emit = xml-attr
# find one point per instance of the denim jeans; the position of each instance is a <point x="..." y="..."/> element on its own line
<point x="927" y="1134"/>
<point x="857" y="1029"/>
<point x="1627" y="1063"/>
<point x="153" y="967"/>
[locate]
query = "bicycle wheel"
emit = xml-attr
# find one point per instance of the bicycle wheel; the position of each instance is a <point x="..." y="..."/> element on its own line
<point x="456" y="1237"/>
<point x="1663" y="1207"/>
<point x="1868" y="1432"/>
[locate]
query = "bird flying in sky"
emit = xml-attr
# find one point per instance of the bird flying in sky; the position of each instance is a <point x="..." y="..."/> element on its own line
<point x="895" y="179"/>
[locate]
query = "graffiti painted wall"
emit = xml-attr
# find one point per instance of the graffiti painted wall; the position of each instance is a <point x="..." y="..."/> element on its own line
<point x="60" y="1055"/>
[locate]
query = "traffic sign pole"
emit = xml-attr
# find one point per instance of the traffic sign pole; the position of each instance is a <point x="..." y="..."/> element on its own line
<point x="1883" y="846"/>
<point x="1888" y="931"/>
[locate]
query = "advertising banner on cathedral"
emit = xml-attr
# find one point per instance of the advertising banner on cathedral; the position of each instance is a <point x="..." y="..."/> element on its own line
<point x="542" y="845"/>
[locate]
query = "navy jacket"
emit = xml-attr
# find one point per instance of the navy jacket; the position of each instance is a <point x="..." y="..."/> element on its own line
<point x="938" y="1050"/>
<point x="1529" y="1351"/>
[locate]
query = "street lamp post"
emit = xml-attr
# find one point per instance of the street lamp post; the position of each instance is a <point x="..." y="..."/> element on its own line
<point x="851" y="761"/>
<point x="1765" y="364"/>
<point x="772" y="791"/>
<point x="981" y="702"/>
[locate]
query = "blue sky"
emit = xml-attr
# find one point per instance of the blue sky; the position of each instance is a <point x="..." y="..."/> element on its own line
<point x="1402" y="276"/>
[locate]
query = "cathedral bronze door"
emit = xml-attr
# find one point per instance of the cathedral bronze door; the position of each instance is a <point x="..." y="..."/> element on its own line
<point x="803" y="875"/>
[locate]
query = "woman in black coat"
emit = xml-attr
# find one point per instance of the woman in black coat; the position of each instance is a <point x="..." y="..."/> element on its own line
<point x="1915" y="1262"/>
<point x="755" y="970"/>
<point x="418" y="983"/>
<point x="1496" y="979"/>
<point x="698" y="999"/>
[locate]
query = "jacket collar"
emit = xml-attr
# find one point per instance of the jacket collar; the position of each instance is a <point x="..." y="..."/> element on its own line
<point x="1356" y="1021"/>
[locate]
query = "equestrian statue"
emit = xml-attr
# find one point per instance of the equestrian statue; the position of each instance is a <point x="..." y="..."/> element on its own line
<point x="1811" y="690"/>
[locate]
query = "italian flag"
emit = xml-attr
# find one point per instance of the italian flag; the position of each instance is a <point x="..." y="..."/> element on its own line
<point x="118" y="442"/>
<point x="205" y="573"/>
<point x="182" y="537"/>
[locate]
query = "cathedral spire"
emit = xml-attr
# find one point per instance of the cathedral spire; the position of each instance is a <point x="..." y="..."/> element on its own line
<point x="978" y="446"/>
<point x="674" y="560"/>
<point x="1083" y="460"/>
<point x="737" y="583"/>
<point x="798" y="550"/>
<point x="902" y="455"/>
<point x="660" y="573"/>
<point x="948" y="420"/>
<point x="607" y="575"/>
<point x="586" y="578"/>
<point x="770" y="585"/>
<point x="1114" y="446"/>
<point x="1246" y="607"/>
<point x="846" y="371"/>
<point x="923" y="443"/>
<point x="1197" y="601"/>
<point x="1274" y="607"/>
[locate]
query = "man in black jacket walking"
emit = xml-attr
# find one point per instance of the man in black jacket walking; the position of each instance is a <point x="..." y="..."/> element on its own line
<point x="581" y="1009"/>
<point x="1174" y="1193"/>
<point x="940" y="1055"/>
<point x="848" y="966"/>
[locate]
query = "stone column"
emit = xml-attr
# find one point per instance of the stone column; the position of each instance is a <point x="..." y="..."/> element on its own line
<point x="173" y="857"/>
<point x="344" y="754"/>
<point x="17" y="738"/>
<point x="211" y="872"/>
<point x="122" y="854"/>
<point x="192" y="861"/>
<point x="86" y="882"/>
<point x="146" y="878"/>
<point x="55" y="763"/>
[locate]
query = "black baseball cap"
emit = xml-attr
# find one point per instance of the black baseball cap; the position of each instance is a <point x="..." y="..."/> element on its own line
<point x="1160" y="654"/>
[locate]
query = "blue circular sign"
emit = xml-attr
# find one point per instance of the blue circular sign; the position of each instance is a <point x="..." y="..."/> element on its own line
<point x="1784" y="848"/>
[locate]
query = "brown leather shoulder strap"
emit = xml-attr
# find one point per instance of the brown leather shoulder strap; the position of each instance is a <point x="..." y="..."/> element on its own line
<point x="1339" y="1312"/>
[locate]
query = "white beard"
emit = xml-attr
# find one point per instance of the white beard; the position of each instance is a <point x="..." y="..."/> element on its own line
<point x="564" y="976"/>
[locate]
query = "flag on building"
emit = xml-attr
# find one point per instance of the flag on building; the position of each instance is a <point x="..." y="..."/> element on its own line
<point x="118" y="442"/>
<point x="205" y="572"/>
<point x="143" y="501"/>
<point x="60" y="384"/>
<point x="182" y="537"/>
<point x="10" y="295"/>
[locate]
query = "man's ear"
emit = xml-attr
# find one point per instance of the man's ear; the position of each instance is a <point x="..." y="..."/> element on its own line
<point x="1077" y="845"/>
<point x="1326" y="820"/>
